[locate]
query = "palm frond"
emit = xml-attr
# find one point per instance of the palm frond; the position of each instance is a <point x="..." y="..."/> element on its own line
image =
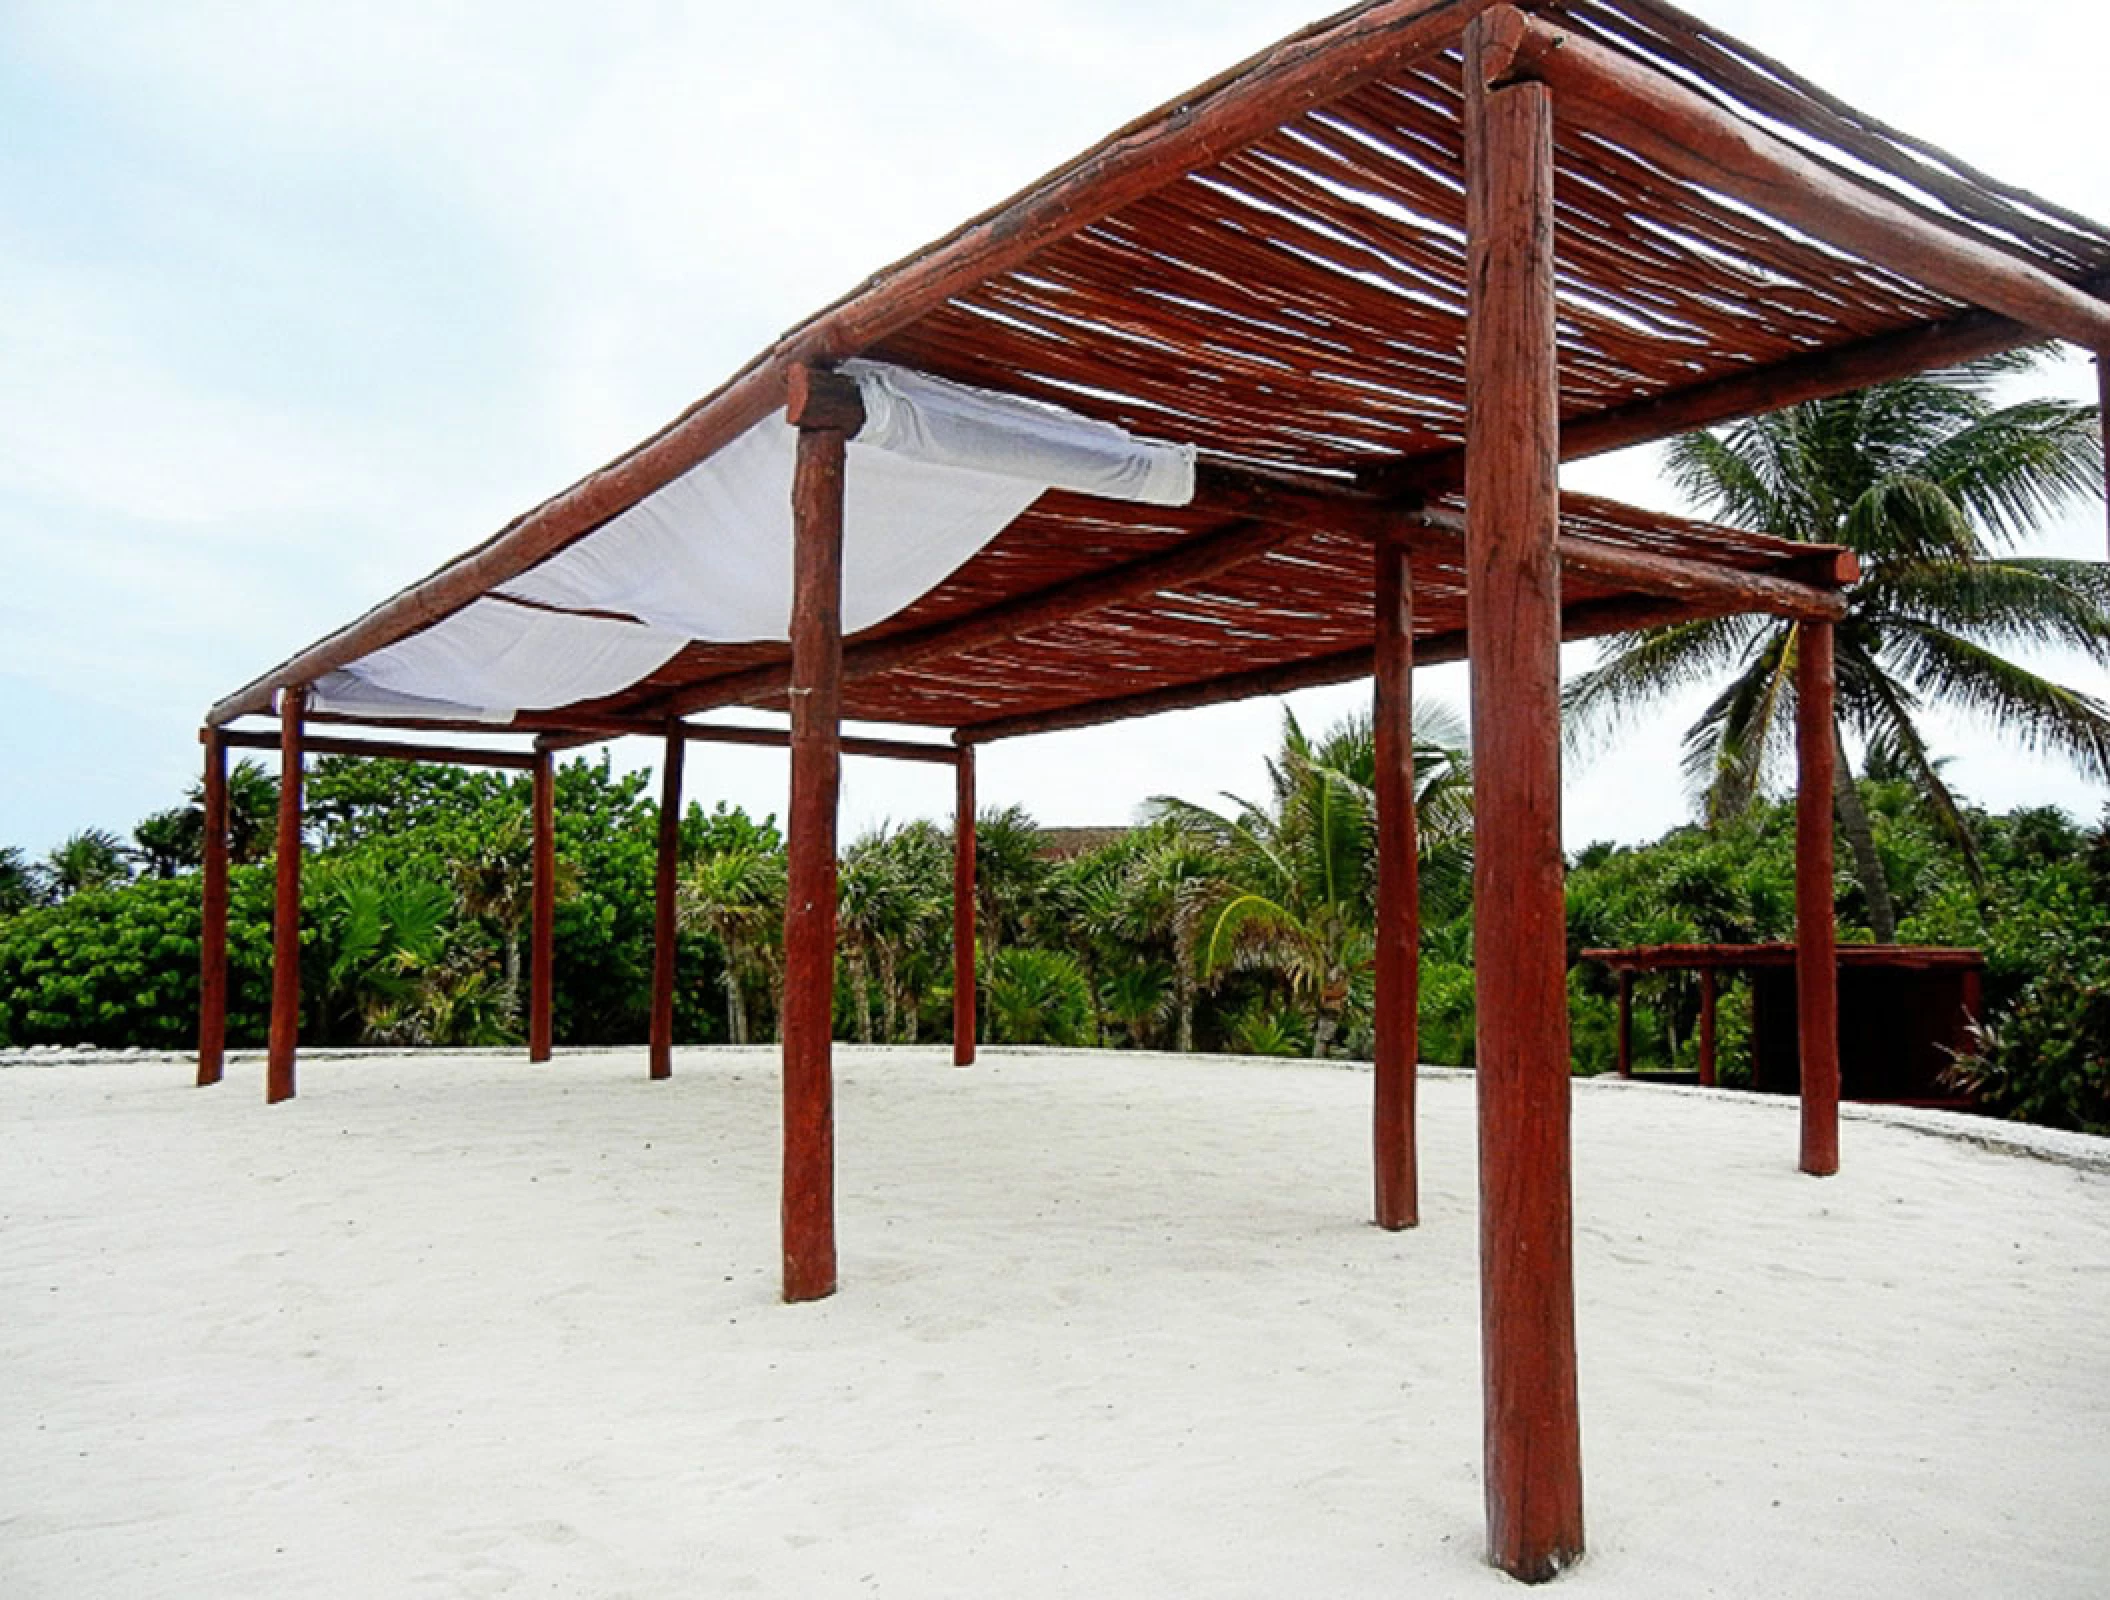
<point x="2043" y="715"/>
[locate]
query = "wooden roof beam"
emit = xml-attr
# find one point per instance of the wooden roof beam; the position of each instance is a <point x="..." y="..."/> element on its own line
<point x="761" y="738"/>
<point x="1585" y="621"/>
<point x="1654" y="116"/>
<point x="383" y="749"/>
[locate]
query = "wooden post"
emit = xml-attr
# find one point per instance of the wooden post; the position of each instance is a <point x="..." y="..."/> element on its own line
<point x="1816" y="935"/>
<point x="963" y="892"/>
<point x="1707" y="999"/>
<point x="542" y="963"/>
<point x="1626" y="1023"/>
<point x="825" y="422"/>
<point x="663" y="888"/>
<point x="1398" y="974"/>
<point x="285" y="924"/>
<point x="212" y="917"/>
<point x="2102" y="390"/>
<point x="1527" y="1283"/>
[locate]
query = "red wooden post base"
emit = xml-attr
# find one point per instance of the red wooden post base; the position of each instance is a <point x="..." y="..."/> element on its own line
<point x="664" y="884"/>
<point x="1816" y="933"/>
<point x="212" y="927"/>
<point x="542" y="932"/>
<point x="285" y="924"/>
<point x="963" y="892"/>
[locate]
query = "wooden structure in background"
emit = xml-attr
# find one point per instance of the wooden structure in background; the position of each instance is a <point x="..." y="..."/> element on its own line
<point x="1904" y="1012"/>
<point x="1384" y="276"/>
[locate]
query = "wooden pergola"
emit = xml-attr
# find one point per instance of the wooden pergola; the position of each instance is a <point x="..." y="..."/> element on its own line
<point x="1383" y="277"/>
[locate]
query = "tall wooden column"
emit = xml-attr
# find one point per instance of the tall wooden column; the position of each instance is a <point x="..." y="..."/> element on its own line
<point x="663" y="889"/>
<point x="1816" y="934"/>
<point x="963" y="892"/>
<point x="212" y="923"/>
<point x="826" y="411"/>
<point x="1398" y="975"/>
<point x="542" y="963"/>
<point x="1527" y="1287"/>
<point x="285" y="922"/>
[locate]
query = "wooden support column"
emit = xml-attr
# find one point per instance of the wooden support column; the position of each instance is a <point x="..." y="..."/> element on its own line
<point x="1626" y="1023"/>
<point x="2102" y="389"/>
<point x="285" y="923"/>
<point x="542" y="965"/>
<point x="963" y="892"/>
<point x="664" y="884"/>
<point x="212" y="923"/>
<point x="1398" y="975"/>
<point x="1816" y="934"/>
<point x="825" y="415"/>
<point x="1707" y="1007"/>
<point x="1527" y="1285"/>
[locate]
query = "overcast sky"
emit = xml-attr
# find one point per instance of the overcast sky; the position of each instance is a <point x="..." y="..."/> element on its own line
<point x="298" y="300"/>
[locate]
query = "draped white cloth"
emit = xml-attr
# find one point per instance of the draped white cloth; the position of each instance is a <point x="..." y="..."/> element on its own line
<point x="937" y="471"/>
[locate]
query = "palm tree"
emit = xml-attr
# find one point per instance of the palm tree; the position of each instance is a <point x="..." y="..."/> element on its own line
<point x="169" y="842"/>
<point x="1932" y="486"/>
<point x="21" y="881"/>
<point x="93" y="858"/>
<point x="494" y="882"/>
<point x="736" y="895"/>
<point x="252" y="811"/>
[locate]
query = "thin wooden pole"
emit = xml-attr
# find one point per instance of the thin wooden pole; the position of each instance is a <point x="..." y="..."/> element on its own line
<point x="2102" y="389"/>
<point x="1816" y="934"/>
<point x="963" y="892"/>
<point x="809" y="907"/>
<point x="1398" y="974"/>
<point x="285" y="924"/>
<point x="666" y="871"/>
<point x="1527" y="1281"/>
<point x="1707" y="1007"/>
<point x="1626" y="1023"/>
<point x="212" y="925"/>
<point x="542" y="962"/>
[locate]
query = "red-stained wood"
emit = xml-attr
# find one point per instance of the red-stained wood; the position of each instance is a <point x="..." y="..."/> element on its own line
<point x="601" y="729"/>
<point x="1586" y="620"/>
<point x="542" y="963"/>
<point x="963" y="893"/>
<point x="1707" y="1018"/>
<point x="384" y="749"/>
<point x="1816" y="933"/>
<point x="2102" y="388"/>
<point x="1625" y="1033"/>
<point x="212" y="926"/>
<point x="809" y="904"/>
<point x="1533" y="1432"/>
<point x="665" y="885"/>
<point x="1274" y="514"/>
<point x="817" y="398"/>
<point x="1398" y="953"/>
<point x="285" y="916"/>
<point x="1651" y="115"/>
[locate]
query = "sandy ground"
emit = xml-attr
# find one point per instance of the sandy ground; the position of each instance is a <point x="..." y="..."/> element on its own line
<point x="1109" y="1326"/>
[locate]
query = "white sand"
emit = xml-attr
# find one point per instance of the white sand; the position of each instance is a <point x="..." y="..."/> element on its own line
<point x="1109" y="1326"/>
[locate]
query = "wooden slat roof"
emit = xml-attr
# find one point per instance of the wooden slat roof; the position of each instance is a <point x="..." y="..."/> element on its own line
<point x="1273" y="268"/>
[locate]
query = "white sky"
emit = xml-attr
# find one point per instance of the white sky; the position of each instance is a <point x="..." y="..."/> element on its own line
<point x="298" y="301"/>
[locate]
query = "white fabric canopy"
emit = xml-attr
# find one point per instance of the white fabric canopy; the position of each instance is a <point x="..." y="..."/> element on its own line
<point x="938" y="470"/>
